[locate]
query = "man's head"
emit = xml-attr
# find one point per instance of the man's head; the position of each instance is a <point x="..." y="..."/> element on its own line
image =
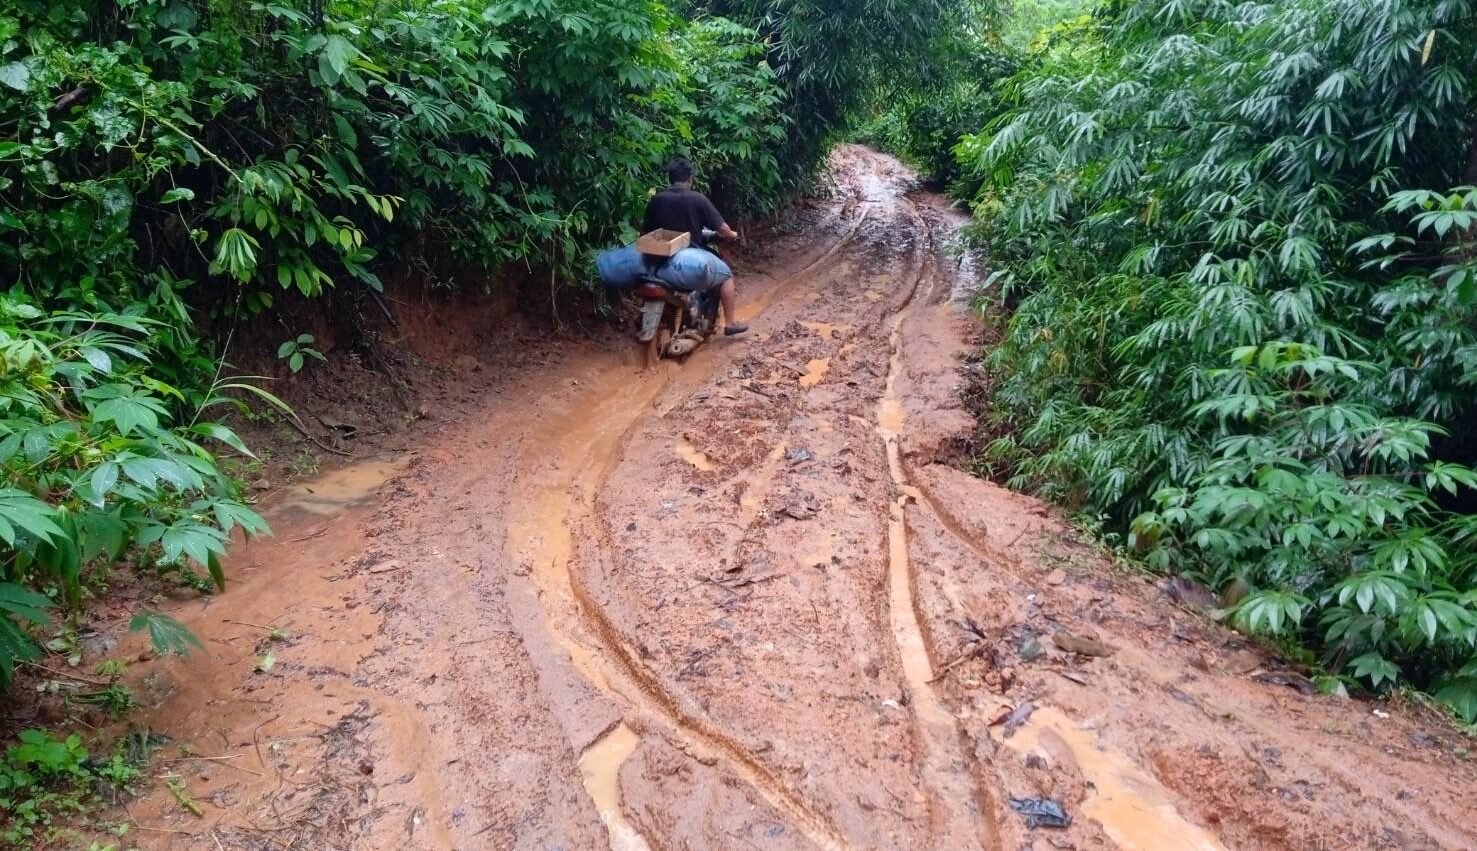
<point x="679" y="171"/>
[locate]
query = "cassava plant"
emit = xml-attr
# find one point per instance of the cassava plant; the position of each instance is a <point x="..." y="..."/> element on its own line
<point x="1237" y="240"/>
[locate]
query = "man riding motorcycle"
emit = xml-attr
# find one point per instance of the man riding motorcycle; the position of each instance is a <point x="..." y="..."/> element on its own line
<point x="679" y="208"/>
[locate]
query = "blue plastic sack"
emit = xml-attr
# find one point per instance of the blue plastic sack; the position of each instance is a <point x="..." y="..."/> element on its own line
<point x="691" y="269"/>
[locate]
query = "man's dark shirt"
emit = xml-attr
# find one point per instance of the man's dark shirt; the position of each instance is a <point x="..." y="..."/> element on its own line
<point x="675" y="208"/>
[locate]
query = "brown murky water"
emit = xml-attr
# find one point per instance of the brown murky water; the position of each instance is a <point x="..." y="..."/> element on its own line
<point x="815" y="372"/>
<point x="336" y="490"/>
<point x="600" y="766"/>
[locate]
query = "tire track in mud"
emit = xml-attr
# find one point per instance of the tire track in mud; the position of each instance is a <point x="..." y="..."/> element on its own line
<point x="604" y="658"/>
<point x="957" y="809"/>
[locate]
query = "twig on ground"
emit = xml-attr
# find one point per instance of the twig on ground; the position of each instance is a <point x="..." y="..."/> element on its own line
<point x="252" y="625"/>
<point x="973" y="653"/>
<point x="216" y="759"/>
<point x="310" y="536"/>
<point x="256" y="740"/>
<point x="301" y="429"/>
<point x="795" y="369"/>
<point x="68" y="675"/>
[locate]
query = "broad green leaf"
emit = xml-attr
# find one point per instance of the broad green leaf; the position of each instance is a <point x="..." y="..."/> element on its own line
<point x="195" y="540"/>
<point x="98" y="358"/>
<point x="102" y="534"/>
<point x="1460" y="693"/>
<point x="216" y="431"/>
<point x="103" y="479"/>
<point x="127" y="408"/>
<point x="25" y="603"/>
<point x="16" y="75"/>
<point x="168" y="635"/>
<point x="1376" y="668"/>
<point x="21" y="512"/>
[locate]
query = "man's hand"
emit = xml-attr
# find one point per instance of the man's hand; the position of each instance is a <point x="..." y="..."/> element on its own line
<point x="727" y="232"/>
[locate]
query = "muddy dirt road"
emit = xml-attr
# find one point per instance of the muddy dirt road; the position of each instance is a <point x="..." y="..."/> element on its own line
<point x="746" y="602"/>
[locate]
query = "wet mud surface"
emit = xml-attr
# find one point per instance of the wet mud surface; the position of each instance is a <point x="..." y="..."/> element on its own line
<point x="743" y="602"/>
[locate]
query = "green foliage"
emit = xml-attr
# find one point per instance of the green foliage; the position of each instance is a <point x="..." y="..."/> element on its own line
<point x="168" y="636"/>
<point x="294" y="146"/>
<point x="922" y="123"/>
<point x="45" y="781"/>
<point x="1237" y="239"/>
<point x="830" y="60"/>
<point x="296" y="350"/>
<point x="100" y="459"/>
<point x="954" y="89"/>
<point x="1027" y="25"/>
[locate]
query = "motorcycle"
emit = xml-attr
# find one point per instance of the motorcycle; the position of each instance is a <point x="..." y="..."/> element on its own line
<point x="674" y="322"/>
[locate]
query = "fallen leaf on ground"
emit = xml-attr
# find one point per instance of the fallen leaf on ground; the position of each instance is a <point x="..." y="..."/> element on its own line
<point x="1019" y="716"/>
<point x="1190" y="593"/>
<point x="1081" y="646"/>
<point x="1286" y="678"/>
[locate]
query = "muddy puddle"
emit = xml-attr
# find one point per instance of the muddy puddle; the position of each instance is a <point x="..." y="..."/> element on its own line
<point x="815" y="372"/>
<point x="827" y="331"/>
<point x="1134" y="810"/>
<point x="340" y="489"/>
<point x="600" y="767"/>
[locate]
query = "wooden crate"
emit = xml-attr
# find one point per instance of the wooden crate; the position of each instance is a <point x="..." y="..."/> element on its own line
<point x="663" y="243"/>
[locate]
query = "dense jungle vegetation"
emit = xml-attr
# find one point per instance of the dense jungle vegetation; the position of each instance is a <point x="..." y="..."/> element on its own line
<point x="1237" y="244"/>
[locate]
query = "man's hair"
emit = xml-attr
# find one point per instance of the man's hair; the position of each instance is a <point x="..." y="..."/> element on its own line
<point x="679" y="170"/>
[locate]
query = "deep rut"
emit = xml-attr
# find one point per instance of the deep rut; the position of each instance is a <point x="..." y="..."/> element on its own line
<point x="957" y="812"/>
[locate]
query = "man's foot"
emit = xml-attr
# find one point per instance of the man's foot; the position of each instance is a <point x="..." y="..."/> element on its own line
<point x="734" y="330"/>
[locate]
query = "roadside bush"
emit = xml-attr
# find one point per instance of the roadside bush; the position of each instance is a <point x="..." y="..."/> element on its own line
<point x="1239" y="242"/>
<point x="954" y="90"/>
<point x="923" y="126"/>
<point x="100" y="458"/>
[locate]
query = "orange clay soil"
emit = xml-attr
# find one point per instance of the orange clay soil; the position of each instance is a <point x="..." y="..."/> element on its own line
<point x="740" y="602"/>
